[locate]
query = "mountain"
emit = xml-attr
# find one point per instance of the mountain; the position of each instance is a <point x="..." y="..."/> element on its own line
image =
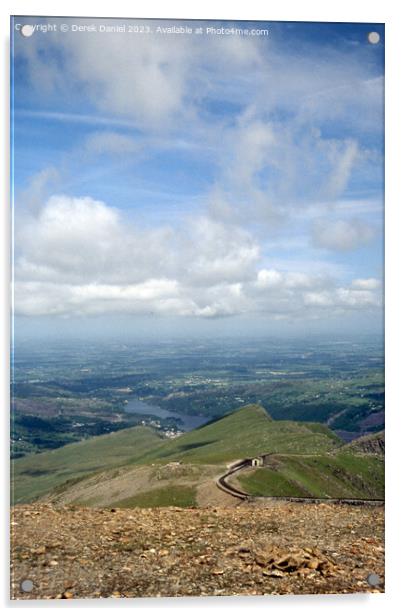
<point x="373" y="444"/>
<point x="139" y="467"/>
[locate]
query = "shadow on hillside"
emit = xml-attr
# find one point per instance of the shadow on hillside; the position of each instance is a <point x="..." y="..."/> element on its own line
<point x="184" y="448"/>
<point x="195" y="445"/>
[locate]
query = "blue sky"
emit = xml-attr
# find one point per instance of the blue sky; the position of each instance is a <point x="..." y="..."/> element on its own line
<point x="200" y="177"/>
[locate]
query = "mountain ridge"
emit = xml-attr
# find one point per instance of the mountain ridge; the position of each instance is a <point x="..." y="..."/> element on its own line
<point x="138" y="467"/>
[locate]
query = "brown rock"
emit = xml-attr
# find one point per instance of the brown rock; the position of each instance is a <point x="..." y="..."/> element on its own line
<point x="262" y="559"/>
<point x="163" y="552"/>
<point x="313" y="564"/>
<point x="67" y="595"/>
<point x="273" y="573"/>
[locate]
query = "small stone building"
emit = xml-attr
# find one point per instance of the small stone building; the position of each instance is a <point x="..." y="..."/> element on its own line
<point x="258" y="460"/>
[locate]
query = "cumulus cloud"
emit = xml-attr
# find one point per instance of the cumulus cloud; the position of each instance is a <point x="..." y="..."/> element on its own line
<point x="211" y="252"/>
<point x="343" y="298"/>
<point x="268" y="278"/>
<point x="369" y="284"/>
<point x="79" y="256"/>
<point x="341" y="235"/>
<point x="83" y="240"/>
<point x="89" y="252"/>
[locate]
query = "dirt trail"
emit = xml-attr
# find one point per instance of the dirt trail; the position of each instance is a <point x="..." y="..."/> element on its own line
<point x="208" y="494"/>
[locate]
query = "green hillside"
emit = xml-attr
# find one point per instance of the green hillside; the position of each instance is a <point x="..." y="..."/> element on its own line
<point x="246" y="432"/>
<point x="308" y="457"/>
<point x="39" y="473"/>
<point x="338" y="475"/>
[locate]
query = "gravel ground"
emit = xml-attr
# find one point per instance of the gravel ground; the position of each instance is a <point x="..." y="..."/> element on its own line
<point x="74" y="552"/>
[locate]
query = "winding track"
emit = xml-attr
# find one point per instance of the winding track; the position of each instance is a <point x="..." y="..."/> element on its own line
<point x="223" y="484"/>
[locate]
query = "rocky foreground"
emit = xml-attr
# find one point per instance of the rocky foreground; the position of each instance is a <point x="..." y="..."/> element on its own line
<point x="74" y="552"/>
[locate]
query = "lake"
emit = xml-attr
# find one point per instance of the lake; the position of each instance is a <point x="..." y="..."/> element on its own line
<point x="189" y="422"/>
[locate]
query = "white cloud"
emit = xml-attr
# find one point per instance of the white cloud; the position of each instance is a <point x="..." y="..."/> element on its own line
<point x="343" y="298"/>
<point x="268" y="278"/>
<point x="341" y="235"/>
<point x="148" y="290"/>
<point x="148" y="79"/>
<point x="211" y="252"/>
<point x="369" y="284"/>
<point x="342" y="168"/>
<point x="321" y="299"/>
<point x="144" y="79"/>
<point x="82" y="240"/>
<point x="290" y="280"/>
<point x="272" y="170"/>
<point x="357" y="297"/>
<point x="78" y="256"/>
<point x="44" y="298"/>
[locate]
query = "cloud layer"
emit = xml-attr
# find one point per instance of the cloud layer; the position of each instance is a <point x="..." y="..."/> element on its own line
<point x="79" y="256"/>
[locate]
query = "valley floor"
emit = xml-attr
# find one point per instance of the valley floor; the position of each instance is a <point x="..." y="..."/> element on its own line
<point x="75" y="552"/>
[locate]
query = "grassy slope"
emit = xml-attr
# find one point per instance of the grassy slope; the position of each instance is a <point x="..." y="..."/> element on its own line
<point x="39" y="473"/>
<point x="246" y="432"/>
<point x="176" y="495"/>
<point x="339" y="475"/>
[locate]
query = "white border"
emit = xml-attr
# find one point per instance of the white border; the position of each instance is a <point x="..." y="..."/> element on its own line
<point x="286" y="10"/>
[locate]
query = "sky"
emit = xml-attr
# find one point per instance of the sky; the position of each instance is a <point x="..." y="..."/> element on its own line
<point x="198" y="182"/>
